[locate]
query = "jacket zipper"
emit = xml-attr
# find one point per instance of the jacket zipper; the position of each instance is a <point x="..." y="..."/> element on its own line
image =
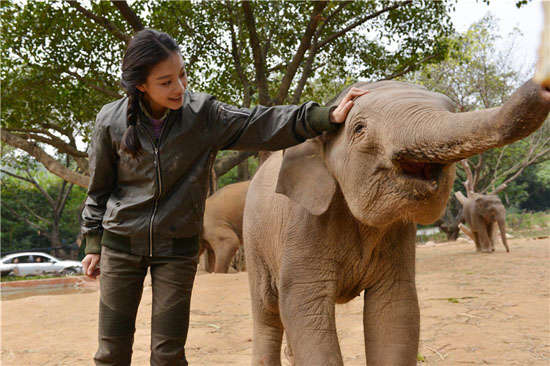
<point x="159" y="182"/>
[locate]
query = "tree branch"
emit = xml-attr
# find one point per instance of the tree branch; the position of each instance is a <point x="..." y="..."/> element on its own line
<point x="106" y="23"/>
<point x="57" y="143"/>
<point x="20" y="217"/>
<point x="42" y="190"/>
<point x="408" y="68"/>
<point x="308" y="67"/>
<point x="64" y="198"/>
<point x="225" y="164"/>
<point x="128" y="14"/>
<point x="40" y="155"/>
<point x="80" y="157"/>
<point x="468" y="183"/>
<point x="236" y="53"/>
<point x="16" y="176"/>
<point x="340" y="7"/>
<point x="499" y="159"/>
<point x="525" y="164"/>
<point x="100" y="89"/>
<point x="357" y="23"/>
<point x="304" y="45"/>
<point x="261" y="78"/>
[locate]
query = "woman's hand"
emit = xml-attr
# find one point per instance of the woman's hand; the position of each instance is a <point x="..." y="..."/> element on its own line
<point x="90" y="265"/>
<point x="339" y="114"/>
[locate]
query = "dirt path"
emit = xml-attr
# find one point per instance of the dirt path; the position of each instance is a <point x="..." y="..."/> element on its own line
<point x="476" y="309"/>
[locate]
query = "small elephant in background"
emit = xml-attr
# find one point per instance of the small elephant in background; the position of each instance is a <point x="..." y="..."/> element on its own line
<point x="222" y="226"/>
<point x="481" y="212"/>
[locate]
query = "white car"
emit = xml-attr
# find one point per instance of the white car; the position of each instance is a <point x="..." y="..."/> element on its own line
<point x="36" y="263"/>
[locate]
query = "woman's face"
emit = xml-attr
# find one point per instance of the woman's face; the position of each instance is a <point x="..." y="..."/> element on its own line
<point x="165" y="84"/>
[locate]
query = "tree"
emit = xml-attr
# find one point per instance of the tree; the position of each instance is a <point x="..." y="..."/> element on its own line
<point x="475" y="75"/>
<point x="35" y="203"/>
<point x="61" y="59"/>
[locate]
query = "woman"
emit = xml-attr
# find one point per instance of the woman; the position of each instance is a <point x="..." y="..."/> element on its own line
<point x="149" y="165"/>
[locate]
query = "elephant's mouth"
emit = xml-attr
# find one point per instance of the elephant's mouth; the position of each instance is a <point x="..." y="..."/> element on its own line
<point x="423" y="177"/>
<point x="424" y="171"/>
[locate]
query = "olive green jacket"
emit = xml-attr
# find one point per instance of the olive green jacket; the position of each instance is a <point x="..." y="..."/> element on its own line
<point x="154" y="205"/>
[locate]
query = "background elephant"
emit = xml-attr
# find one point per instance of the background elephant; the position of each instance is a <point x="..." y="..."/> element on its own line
<point x="481" y="212"/>
<point x="335" y="216"/>
<point x="222" y="227"/>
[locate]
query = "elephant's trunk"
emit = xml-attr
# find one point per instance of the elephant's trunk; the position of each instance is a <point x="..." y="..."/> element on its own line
<point x="502" y="228"/>
<point x="451" y="137"/>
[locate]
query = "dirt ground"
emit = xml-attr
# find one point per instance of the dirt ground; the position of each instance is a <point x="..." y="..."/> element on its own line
<point x="476" y="309"/>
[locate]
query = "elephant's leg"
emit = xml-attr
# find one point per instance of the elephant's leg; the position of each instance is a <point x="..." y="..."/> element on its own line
<point x="267" y="335"/>
<point x="477" y="241"/>
<point x="207" y="257"/>
<point x="225" y="251"/>
<point x="391" y="315"/>
<point x="491" y="234"/>
<point x="484" y="240"/>
<point x="267" y="332"/>
<point x="308" y="313"/>
<point x="502" y="229"/>
<point x="211" y="257"/>
<point x="391" y="319"/>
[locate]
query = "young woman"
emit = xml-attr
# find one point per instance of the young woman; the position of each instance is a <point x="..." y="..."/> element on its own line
<point x="149" y="165"/>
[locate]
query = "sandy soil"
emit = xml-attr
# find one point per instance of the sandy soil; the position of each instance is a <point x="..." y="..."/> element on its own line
<point x="476" y="309"/>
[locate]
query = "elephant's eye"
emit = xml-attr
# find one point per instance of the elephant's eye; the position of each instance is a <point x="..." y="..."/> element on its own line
<point x="358" y="128"/>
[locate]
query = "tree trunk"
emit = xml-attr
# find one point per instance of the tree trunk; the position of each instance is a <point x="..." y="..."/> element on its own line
<point x="243" y="172"/>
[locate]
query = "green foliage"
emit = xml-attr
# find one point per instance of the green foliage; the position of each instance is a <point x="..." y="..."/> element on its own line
<point x="23" y="198"/>
<point x="233" y="177"/>
<point x="56" y="60"/>
<point x="517" y="220"/>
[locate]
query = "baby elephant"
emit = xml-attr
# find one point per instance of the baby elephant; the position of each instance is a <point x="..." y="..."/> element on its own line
<point x="334" y="217"/>
<point x="481" y="212"/>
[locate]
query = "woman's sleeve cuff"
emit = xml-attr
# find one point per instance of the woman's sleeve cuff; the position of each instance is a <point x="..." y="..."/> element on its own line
<point x="93" y="243"/>
<point x="319" y="119"/>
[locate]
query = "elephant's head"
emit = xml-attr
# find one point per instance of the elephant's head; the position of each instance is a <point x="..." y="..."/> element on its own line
<point x="489" y="207"/>
<point x="394" y="157"/>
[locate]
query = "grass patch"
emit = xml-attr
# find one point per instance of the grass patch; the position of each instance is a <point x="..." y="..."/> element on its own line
<point x="530" y="233"/>
<point x="519" y="221"/>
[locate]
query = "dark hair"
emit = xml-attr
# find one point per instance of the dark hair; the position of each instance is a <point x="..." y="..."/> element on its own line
<point x="147" y="48"/>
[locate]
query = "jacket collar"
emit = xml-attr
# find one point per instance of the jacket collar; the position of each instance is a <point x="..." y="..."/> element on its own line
<point x="148" y="115"/>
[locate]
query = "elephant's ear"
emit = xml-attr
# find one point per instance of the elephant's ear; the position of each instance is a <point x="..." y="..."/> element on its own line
<point x="305" y="179"/>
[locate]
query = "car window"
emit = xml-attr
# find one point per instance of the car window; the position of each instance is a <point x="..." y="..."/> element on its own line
<point x="41" y="259"/>
<point x="22" y="259"/>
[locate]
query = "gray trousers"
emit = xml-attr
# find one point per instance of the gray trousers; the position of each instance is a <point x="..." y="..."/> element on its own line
<point x="121" y="286"/>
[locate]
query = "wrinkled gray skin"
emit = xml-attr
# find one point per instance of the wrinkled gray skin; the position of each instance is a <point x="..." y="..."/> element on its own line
<point x="481" y="212"/>
<point x="221" y="235"/>
<point x="335" y="216"/>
